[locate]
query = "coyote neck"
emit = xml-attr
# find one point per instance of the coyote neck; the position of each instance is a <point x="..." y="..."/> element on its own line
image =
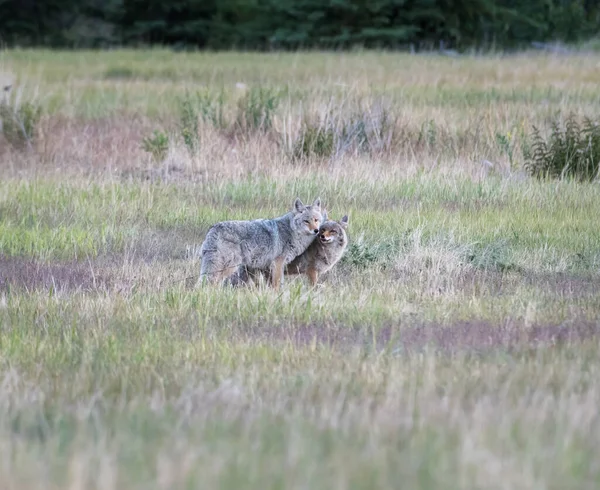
<point x="292" y="243"/>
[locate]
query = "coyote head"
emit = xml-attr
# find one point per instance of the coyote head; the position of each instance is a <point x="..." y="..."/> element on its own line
<point x="331" y="231"/>
<point x="307" y="219"/>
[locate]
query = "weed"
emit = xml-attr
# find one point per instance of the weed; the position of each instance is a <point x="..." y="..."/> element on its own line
<point x="363" y="252"/>
<point x="188" y="123"/>
<point x="315" y="140"/>
<point x="256" y="109"/>
<point x="212" y="108"/>
<point x="368" y="131"/>
<point x="200" y="106"/>
<point x="119" y="73"/>
<point x="157" y="145"/>
<point x="506" y="145"/>
<point x="19" y="123"/>
<point x="493" y="256"/>
<point x="572" y="150"/>
<point x="428" y="134"/>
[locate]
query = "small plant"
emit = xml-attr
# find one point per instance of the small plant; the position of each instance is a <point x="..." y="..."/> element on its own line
<point x="211" y="108"/>
<point x="494" y="256"/>
<point x="157" y="145"/>
<point x="571" y="150"/>
<point x="362" y="253"/>
<point x="119" y="73"/>
<point x="256" y="109"/>
<point x="363" y="131"/>
<point x="188" y="123"/>
<point x="19" y="123"/>
<point x="204" y="106"/>
<point x="505" y="142"/>
<point x="315" y="140"/>
<point x="367" y="131"/>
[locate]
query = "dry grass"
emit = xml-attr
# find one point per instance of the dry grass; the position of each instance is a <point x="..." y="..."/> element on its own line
<point x="455" y="346"/>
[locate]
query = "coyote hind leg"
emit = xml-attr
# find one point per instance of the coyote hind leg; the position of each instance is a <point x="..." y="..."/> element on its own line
<point x="213" y="270"/>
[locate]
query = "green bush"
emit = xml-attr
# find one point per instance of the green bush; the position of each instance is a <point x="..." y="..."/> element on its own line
<point x="363" y="253"/>
<point x="188" y="123"/>
<point x="19" y="123"/>
<point x="256" y="109"/>
<point x="315" y="140"/>
<point x="572" y="150"/>
<point x="202" y="105"/>
<point x="157" y="145"/>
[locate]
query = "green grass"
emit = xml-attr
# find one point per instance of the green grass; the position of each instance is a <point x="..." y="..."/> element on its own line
<point x="454" y="346"/>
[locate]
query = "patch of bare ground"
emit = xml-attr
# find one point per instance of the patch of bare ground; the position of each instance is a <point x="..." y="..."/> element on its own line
<point x="498" y="283"/>
<point x="30" y="275"/>
<point x="468" y="336"/>
<point x="563" y="284"/>
<point x="555" y="284"/>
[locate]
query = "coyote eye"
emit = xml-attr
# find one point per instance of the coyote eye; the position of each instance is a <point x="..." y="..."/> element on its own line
<point x="306" y="221"/>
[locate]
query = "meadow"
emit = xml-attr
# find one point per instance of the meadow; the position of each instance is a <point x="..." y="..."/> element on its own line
<point x="455" y="346"/>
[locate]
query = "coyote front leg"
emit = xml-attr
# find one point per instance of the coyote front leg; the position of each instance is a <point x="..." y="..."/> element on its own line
<point x="277" y="272"/>
<point x="313" y="275"/>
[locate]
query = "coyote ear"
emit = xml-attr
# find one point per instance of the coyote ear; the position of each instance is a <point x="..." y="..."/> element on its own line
<point x="324" y="215"/>
<point x="317" y="203"/>
<point x="298" y="206"/>
<point x="344" y="222"/>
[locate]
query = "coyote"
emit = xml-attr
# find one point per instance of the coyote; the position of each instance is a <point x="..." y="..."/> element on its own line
<point x="324" y="252"/>
<point x="268" y="245"/>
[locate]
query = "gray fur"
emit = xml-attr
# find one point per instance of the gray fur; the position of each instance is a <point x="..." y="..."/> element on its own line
<point x="260" y="244"/>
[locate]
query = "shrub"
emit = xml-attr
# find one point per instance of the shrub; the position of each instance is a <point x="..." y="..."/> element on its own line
<point x="256" y="109"/>
<point x="202" y="105"/>
<point x="157" y="145"/>
<point x="19" y="123"/>
<point x="494" y="256"/>
<point x="188" y="123"/>
<point x="363" y="131"/>
<point x="367" y="131"/>
<point x="362" y="252"/>
<point x="572" y="150"/>
<point x="315" y="140"/>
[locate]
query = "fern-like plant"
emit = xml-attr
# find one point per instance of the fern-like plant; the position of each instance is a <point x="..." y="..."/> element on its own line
<point x="572" y="150"/>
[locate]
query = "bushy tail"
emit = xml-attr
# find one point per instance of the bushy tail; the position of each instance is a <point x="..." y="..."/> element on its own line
<point x="209" y="264"/>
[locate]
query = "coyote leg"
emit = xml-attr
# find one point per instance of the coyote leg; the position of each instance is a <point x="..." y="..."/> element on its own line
<point x="312" y="276"/>
<point x="277" y="274"/>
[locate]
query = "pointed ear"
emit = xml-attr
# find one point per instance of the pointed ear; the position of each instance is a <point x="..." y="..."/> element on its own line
<point x="344" y="222"/>
<point x="298" y="206"/>
<point x="324" y="214"/>
<point x="317" y="203"/>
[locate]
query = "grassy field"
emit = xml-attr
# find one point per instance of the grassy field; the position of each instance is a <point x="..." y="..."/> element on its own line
<point x="455" y="346"/>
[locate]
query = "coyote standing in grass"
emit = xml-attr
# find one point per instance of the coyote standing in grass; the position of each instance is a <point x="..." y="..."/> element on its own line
<point x="324" y="252"/>
<point x="262" y="244"/>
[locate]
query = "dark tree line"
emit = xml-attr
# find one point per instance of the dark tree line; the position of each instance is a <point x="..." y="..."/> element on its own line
<point x="288" y="24"/>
